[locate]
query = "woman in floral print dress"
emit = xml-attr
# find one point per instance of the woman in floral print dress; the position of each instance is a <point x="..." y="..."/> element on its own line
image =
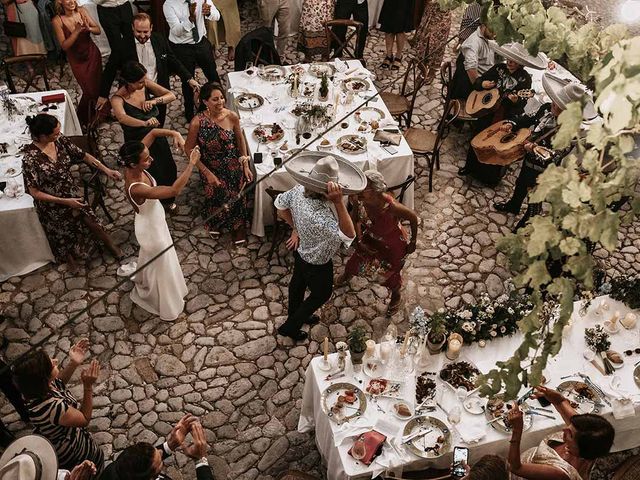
<point x="69" y="223"/>
<point x="430" y="39"/>
<point x="224" y="164"/>
<point x="312" y="39"/>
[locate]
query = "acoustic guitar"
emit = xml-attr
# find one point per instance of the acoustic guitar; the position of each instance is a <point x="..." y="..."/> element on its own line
<point x="495" y="147"/>
<point x="482" y="102"/>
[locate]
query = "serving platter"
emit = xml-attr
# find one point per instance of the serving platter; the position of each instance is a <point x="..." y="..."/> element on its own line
<point x="369" y="114"/>
<point x="497" y="407"/>
<point x="272" y="73"/>
<point x="383" y="386"/>
<point x="460" y="374"/>
<point x="352" y="144"/>
<point x="268" y="132"/>
<point x="581" y="396"/>
<point x="319" y="69"/>
<point x="343" y="402"/>
<point x="636" y="375"/>
<point x="249" y="101"/>
<point x="356" y="84"/>
<point x="433" y="444"/>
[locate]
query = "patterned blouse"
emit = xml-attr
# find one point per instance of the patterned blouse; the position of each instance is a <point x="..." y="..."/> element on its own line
<point x="317" y="226"/>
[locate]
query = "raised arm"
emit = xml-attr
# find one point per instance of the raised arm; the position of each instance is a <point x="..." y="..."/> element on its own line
<point x="77" y="354"/>
<point x="117" y="104"/>
<point x="176" y="26"/>
<point x="150" y="137"/>
<point x="74" y="417"/>
<point x="161" y="94"/>
<point x="65" y="43"/>
<point x="91" y="25"/>
<point x="334" y="194"/>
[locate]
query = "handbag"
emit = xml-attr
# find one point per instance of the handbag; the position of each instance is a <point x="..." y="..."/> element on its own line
<point x="387" y="137"/>
<point x="373" y="442"/>
<point x="15" y="29"/>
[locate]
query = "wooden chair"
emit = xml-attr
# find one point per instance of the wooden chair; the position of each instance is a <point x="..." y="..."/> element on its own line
<point x="445" y="80"/>
<point x="628" y="470"/>
<point x="401" y="188"/>
<point x="354" y="32"/>
<point x="280" y="227"/>
<point x="33" y="66"/>
<point x="401" y="104"/>
<point x="296" y="475"/>
<point x="427" y="143"/>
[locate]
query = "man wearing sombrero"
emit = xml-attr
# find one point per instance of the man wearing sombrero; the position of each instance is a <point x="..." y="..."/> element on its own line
<point x="320" y="222"/>
<point x="543" y="125"/>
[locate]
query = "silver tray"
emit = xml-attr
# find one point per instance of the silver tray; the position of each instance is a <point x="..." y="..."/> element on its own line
<point x="272" y="73"/>
<point x="636" y="375"/>
<point x="356" y="84"/>
<point x="350" y="138"/>
<point x="368" y="111"/>
<point x="249" y="101"/>
<point x="472" y="379"/>
<point x="319" y="69"/>
<point x="423" y="446"/>
<point x="330" y="395"/>
<point x="500" y="425"/>
<point x="585" y="404"/>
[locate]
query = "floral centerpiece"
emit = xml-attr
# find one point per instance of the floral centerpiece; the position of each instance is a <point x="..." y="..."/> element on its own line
<point x="598" y="341"/>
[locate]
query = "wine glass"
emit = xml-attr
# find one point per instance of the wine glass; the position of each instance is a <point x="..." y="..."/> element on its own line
<point x="359" y="450"/>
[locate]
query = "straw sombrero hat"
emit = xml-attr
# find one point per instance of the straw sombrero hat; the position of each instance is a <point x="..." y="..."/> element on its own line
<point x="563" y="92"/>
<point x="314" y="170"/>
<point x="31" y="457"/>
<point x="517" y="53"/>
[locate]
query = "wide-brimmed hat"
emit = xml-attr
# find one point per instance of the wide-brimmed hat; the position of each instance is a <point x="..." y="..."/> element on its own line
<point x="563" y="92"/>
<point x="31" y="457"/>
<point x="314" y="170"/>
<point x="517" y="53"/>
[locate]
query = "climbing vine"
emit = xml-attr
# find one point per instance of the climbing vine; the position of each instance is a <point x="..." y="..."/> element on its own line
<point x="552" y="255"/>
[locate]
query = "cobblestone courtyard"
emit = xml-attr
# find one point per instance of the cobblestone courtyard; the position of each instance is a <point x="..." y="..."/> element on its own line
<point x="221" y="360"/>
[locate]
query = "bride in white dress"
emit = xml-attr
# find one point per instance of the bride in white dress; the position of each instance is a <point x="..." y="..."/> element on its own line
<point x="160" y="287"/>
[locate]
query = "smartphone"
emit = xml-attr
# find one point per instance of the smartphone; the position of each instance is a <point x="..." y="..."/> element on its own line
<point x="543" y="401"/>
<point x="390" y="149"/>
<point x="257" y="157"/>
<point x="460" y="459"/>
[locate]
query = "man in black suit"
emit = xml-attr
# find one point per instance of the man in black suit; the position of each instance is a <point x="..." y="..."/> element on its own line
<point x="143" y="461"/>
<point x="152" y="50"/>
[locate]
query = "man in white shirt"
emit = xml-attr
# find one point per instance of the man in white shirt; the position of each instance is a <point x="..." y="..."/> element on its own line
<point x="476" y="57"/>
<point x="188" y="40"/>
<point x="115" y="19"/>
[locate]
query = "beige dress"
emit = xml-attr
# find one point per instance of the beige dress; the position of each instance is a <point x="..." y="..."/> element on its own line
<point x="543" y="454"/>
<point x="227" y="29"/>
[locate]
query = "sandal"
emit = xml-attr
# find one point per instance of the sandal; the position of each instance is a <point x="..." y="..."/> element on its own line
<point x="397" y="61"/>
<point x="388" y="60"/>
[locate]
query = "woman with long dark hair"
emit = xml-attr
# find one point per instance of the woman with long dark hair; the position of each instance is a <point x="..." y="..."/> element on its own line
<point x="135" y="105"/>
<point x="224" y="168"/>
<point x="72" y="228"/>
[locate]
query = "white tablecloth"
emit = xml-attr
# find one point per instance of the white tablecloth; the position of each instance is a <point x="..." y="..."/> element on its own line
<point x="395" y="168"/>
<point x="22" y="240"/>
<point x="570" y="360"/>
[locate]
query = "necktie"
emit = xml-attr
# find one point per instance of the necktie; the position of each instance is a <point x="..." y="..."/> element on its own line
<point x="194" y="31"/>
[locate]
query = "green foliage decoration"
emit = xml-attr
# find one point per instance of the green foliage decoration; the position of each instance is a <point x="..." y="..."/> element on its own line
<point x="552" y="254"/>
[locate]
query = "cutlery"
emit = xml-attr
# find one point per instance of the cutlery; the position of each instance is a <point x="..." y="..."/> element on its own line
<point x="409" y="438"/>
<point x="538" y="409"/>
<point x="541" y="414"/>
<point x="501" y="417"/>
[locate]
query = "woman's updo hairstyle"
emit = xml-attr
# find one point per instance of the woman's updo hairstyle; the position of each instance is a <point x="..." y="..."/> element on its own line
<point x="129" y="155"/>
<point x="41" y="124"/>
<point x="205" y="94"/>
<point x="132" y="72"/>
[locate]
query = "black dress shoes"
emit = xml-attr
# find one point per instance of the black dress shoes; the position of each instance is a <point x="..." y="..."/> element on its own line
<point x="298" y="336"/>
<point x="505" y="207"/>
<point x="463" y="171"/>
<point x="312" y="320"/>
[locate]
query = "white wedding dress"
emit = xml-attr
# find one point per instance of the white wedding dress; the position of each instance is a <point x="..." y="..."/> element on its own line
<point x="159" y="288"/>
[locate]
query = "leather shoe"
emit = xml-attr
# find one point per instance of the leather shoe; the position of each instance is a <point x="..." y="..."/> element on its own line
<point x="504" y="207"/>
<point x="312" y="320"/>
<point x="298" y="336"/>
<point x="463" y="171"/>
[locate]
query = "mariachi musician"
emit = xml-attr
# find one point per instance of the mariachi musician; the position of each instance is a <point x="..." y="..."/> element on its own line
<point x="543" y="125"/>
<point x="509" y="78"/>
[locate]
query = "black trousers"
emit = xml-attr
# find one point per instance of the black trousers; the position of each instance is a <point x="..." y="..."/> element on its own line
<point x="11" y="392"/>
<point x="116" y="23"/>
<point x="319" y="280"/>
<point x="195" y="55"/>
<point x="360" y="12"/>
<point x="526" y="181"/>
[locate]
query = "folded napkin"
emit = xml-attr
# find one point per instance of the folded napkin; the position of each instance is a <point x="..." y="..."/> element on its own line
<point x="392" y="458"/>
<point x="472" y="428"/>
<point x="352" y="429"/>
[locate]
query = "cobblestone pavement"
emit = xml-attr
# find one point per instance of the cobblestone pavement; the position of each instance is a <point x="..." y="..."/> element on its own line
<point x="221" y="360"/>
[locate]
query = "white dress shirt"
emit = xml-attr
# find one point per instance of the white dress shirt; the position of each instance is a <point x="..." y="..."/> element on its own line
<point x="110" y="3"/>
<point x="176" y="13"/>
<point x="477" y="53"/>
<point x="147" y="57"/>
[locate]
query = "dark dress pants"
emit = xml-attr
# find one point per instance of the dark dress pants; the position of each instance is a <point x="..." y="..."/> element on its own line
<point x="344" y="10"/>
<point x="116" y="24"/>
<point x="194" y="55"/>
<point x="319" y="280"/>
<point x="11" y="392"/>
<point x="526" y="181"/>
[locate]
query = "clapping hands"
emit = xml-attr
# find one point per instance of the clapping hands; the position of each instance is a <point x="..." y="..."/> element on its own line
<point x="78" y="352"/>
<point x="198" y="447"/>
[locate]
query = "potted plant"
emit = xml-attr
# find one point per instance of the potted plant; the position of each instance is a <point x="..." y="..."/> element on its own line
<point x="437" y="334"/>
<point x="324" y="88"/>
<point x="357" y="344"/>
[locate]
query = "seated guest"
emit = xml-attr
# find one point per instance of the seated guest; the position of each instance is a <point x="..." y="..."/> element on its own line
<point x="475" y="58"/>
<point x="135" y="105"/>
<point x="143" y="461"/>
<point x="489" y="467"/>
<point x="152" y="50"/>
<point x="73" y="27"/>
<point x="543" y="124"/>
<point x="508" y="78"/>
<point x="69" y="223"/>
<point x="320" y="224"/>
<point x="565" y="455"/>
<point x="224" y="165"/>
<point x="53" y="411"/>
<point x="381" y="242"/>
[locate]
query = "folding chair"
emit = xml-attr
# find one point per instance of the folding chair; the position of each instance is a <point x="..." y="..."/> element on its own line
<point x="35" y="66"/>
<point x="343" y="49"/>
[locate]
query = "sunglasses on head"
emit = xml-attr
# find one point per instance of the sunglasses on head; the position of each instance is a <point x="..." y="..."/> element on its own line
<point x="631" y="352"/>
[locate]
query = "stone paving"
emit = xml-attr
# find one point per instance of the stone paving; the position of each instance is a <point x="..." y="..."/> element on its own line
<point x="221" y="359"/>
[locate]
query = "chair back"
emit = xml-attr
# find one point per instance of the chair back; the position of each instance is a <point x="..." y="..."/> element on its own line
<point x="26" y="68"/>
<point x="399" y="190"/>
<point x="445" y="79"/>
<point x="348" y="48"/>
<point x="414" y="79"/>
<point x="628" y="470"/>
<point x="449" y="115"/>
<point x="257" y="47"/>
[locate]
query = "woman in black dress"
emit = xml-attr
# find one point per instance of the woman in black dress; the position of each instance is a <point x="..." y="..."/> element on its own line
<point x="396" y="20"/>
<point x="135" y="105"/>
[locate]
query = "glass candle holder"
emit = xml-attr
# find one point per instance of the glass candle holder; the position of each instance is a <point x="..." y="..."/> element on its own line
<point x="454" y="345"/>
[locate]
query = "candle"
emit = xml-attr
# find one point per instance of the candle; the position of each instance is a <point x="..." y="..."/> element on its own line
<point x="629" y="320"/>
<point x="454" y="346"/>
<point x="614" y="319"/>
<point x="326" y="348"/>
<point x="405" y="343"/>
<point x="371" y="348"/>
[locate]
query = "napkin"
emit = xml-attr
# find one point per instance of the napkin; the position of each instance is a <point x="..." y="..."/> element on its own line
<point x="390" y="459"/>
<point x="347" y="430"/>
<point x="473" y="428"/>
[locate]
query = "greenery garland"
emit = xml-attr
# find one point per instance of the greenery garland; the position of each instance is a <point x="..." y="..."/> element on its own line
<point x="625" y="290"/>
<point x="552" y="255"/>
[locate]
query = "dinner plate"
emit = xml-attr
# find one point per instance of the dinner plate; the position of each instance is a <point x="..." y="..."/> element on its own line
<point x="356" y="84"/>
<point x="474" y="405"/>
<point x="383" y="386"/>
<point x="396" y="408"/>
<point x="320" y="69"/>
<point x="582" y="397"/>
<point x="272" y="73"/>
<point x="501" y="425"/>
<point x="636" y="375"/>
<point x="352" y="144"/>
<point x="268" y="132"/>
<point x="369" y="114"/>
<point x="460" y="374"/>
<point x="428" y="446"/>
<point x="249" y="101"/>
<point x="348" y="412"/>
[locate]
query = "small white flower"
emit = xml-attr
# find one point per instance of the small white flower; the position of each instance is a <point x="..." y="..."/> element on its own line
<point x="503" y="329"/>
<point x="510" y="310"/>
<point x="493" y="333"/>
<point x="503" y="298"/>
<point x="441" y="310"/>
<point x="466" y="314"/>
<point x="490" y="310"/>
<point x="494" y="326"/>
<point x="467" y="327"/>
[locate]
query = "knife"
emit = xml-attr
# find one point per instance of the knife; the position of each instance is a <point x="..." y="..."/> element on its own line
<point x="413" y="436"/>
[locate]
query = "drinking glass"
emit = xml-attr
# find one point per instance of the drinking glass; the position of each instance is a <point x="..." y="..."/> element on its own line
<point x="358" y="451"/>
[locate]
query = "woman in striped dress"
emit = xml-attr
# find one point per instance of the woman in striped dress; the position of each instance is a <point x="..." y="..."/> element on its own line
<point x="53" y="411"/>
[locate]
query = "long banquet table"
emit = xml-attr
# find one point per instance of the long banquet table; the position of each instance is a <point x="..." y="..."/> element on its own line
<point x="23" y="244"/>
<point x="334" y="441"/>
<point x="277" y="108"/>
